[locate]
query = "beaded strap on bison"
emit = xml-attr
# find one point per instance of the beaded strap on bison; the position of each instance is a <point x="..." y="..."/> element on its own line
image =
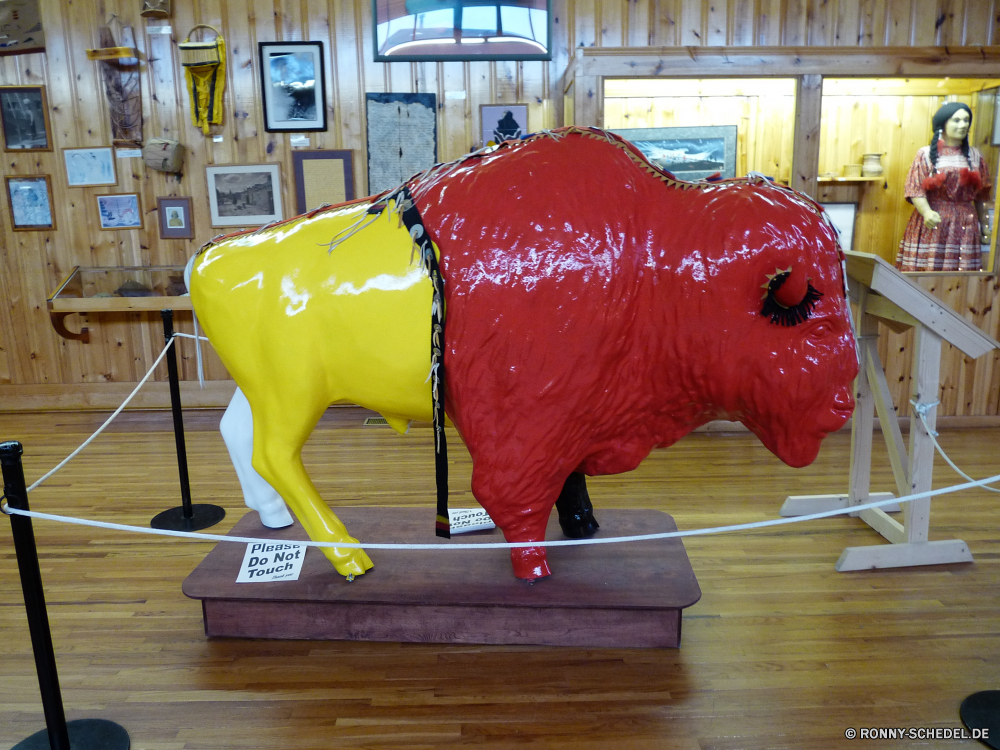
<point x="596" y="308"/>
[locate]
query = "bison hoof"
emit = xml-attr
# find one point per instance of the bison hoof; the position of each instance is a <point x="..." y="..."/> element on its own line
<point x="348" y="562"/>
<point x="576" y="513"/>
<point x="529" y="562"/>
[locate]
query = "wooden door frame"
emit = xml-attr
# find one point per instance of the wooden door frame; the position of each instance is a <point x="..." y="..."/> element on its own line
<point x="591" y="66"/>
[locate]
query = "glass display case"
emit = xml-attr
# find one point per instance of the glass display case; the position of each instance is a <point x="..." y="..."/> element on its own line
<point x="116" y="289"/>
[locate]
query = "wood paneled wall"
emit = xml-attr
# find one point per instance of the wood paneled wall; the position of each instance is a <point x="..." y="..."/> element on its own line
<point x="38" y="368"/>
<point x="763" y="111"/>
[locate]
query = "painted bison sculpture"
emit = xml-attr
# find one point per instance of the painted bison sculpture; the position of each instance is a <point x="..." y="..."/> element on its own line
<point x="596" y="308"/>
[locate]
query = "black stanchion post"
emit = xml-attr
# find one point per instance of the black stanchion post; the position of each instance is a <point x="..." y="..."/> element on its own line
<point x="86" y="733"/>
<point x="187" y="517"/>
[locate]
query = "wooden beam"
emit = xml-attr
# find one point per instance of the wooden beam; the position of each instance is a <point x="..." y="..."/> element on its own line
<point x="874" y="272"/>
<point x="924" y="390"/>
<point x="903" y="555"/>
<point x="805" y="142"/>
<point x="628" y="62"/>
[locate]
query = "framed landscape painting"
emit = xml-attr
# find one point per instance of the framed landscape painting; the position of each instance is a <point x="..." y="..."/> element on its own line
<point x="244" y="196"/>
<point x="293" y="86"/>
<point x="688" y="153"/>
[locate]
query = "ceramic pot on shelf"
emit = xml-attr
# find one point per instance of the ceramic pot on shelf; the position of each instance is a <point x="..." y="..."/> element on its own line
<point x="871" y="165"/>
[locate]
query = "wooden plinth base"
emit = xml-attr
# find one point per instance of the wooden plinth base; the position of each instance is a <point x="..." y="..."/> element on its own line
<point x="613" y="595"/>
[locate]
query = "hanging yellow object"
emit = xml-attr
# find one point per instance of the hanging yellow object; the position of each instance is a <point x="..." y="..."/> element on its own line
<point x="205" y="71"/>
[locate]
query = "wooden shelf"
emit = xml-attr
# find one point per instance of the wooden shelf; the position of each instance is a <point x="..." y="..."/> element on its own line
<point x="105" y="289"/>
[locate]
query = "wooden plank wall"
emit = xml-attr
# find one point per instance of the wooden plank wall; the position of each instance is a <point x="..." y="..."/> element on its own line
<point x="39" y="369"/>
<point x="764" y="114"/>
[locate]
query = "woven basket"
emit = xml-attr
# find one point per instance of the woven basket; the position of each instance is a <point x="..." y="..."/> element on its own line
<point x="199" y="53"/>
<point x="852" y="170"/>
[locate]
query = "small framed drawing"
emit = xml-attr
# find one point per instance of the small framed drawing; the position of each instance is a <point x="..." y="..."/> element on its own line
<point x="175" y="218"/>
<point x="119" y="211"/>
<point x="89" y="166"/>
<point x="322" y="177"/>
<point x="502" y="122"/>
<point x="24" y="112"/>
<point x="293" y="86"/>
<point x="30" y="202"/>
<point x="244" y="196"/>
<point x="688" y="153"/>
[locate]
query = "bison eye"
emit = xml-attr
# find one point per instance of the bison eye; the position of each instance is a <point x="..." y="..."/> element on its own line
<point x="785" y="309"/>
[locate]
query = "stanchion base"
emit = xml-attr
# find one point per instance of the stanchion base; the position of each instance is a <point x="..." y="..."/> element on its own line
<point x="982" y="711"/>
<point x="202" y="516"/>
<point x="84" y="734"/>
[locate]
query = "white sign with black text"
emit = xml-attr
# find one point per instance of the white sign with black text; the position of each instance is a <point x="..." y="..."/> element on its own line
<point x="469" y="519"/>
<point x="272" y="561"/>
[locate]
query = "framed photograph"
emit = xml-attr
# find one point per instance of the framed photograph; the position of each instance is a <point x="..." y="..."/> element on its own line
<point x="402" y="137"/>
<point x="30" y="203"/>
<point x="502" y="122"/>
<point x="427" y="30"/>
<point x="322" y="177"/>
<point x="89" y="166"/>
<point x="688" y="153"/>
<point x="24" y="112"/>
<point x="175" y="218"/>
<point x="293" y="86"/>
<point x="843" y="216"/>
<point x="119" y="211"/>
<point x="21" y="27"/>
<point x="244" y="196"/>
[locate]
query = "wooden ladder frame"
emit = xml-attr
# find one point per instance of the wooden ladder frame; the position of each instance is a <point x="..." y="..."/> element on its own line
<point x="883" y="294"/>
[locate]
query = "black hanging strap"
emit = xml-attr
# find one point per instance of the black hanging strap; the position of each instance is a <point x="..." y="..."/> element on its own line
<point x="414" y="224"/>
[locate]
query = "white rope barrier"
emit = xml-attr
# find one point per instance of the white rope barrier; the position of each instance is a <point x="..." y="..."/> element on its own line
<point x="920" y="409"/>
<point x="100" y="429"/>
<point x="506" y="545"/>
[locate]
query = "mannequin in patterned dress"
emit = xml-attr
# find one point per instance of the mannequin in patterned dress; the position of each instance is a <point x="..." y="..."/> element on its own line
<point x="947" y="185"/>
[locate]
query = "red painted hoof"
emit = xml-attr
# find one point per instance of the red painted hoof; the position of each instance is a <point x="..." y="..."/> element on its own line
<point x="529" y="562"/>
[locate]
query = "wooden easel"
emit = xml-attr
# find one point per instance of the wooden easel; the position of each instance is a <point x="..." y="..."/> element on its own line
<point x="882" y="293"/>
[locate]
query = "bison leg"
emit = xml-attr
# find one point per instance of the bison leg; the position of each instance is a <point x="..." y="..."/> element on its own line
<point x="237" y="432"/>
<point x="576" y="513"/>
<point x="283" y="421"/>
<point x="521" y="509"/>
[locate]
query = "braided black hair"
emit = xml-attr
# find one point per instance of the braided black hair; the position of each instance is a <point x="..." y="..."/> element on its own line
<point x="941" y="117"/>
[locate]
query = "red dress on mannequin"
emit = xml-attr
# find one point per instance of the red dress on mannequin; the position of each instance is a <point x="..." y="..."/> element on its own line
<point x="954" y="245"/>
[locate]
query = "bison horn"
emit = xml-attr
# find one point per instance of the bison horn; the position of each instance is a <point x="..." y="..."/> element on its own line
<point x="793" y="289"/>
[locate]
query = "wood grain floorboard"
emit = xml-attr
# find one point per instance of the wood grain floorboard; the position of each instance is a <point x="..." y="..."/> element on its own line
<point x="781" y="651"/>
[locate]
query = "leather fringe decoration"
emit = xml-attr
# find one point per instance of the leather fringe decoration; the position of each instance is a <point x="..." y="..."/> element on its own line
<point x="414" y="224"/>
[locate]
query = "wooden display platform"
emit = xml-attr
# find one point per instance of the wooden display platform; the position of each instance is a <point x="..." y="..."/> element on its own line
<point x="613" y="595"/>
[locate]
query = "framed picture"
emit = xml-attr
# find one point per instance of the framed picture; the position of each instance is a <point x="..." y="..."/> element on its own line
<point x="688" y="153"/>
<point x="89" y="166"/>
<point x="843" y="216"/>
<point x="293" y="86"/>
<point x="322" y="177"/>
<point x="402" y="137"/>
<point x="20" y="27"/>
<point x="119" y="211"/>
<point x="175" y="218"/>
<point x="30" y="203"/>
<point x="426" y="30"/>
<point x="244" y="196"/>
<point x="502" y="122"/>
<point x="24" y="112"/>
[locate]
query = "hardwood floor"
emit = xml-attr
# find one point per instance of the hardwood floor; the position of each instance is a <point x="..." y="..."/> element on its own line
<point x="781" y="651"/>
